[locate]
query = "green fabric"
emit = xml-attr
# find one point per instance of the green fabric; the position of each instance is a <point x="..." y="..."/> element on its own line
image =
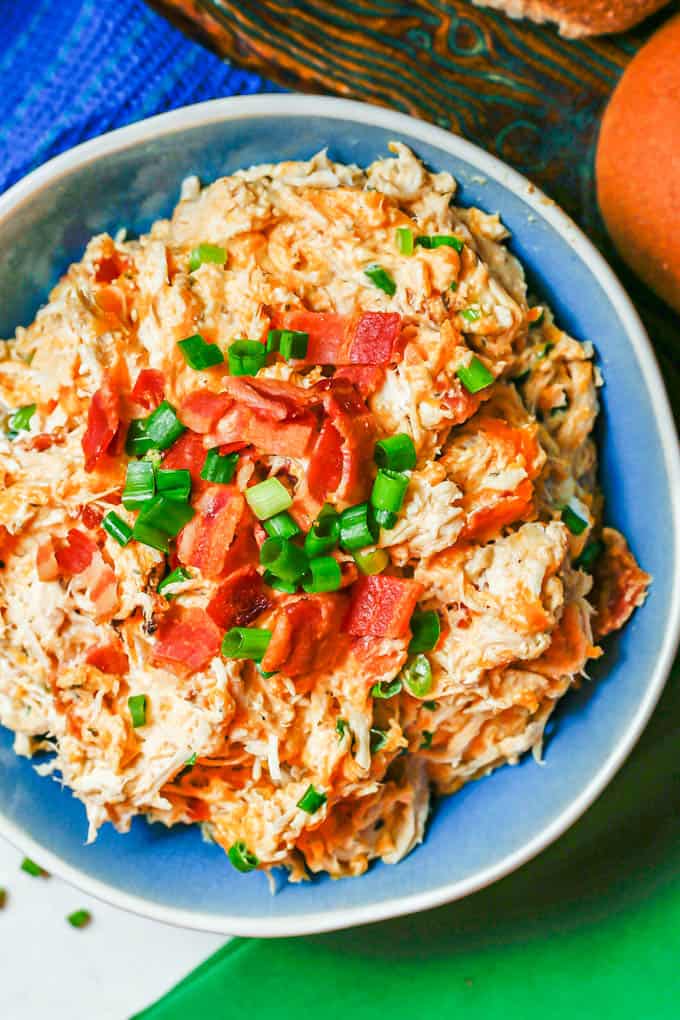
<point x="590" y="929"/>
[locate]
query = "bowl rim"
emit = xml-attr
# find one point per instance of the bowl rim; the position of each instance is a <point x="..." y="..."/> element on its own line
<point x="297" y="105"/>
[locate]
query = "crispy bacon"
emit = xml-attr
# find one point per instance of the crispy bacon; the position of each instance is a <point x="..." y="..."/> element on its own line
<point x="305" y="635"/>
<point x="620" y="585"/>
<point x="91" y="516"/>
<point x="149" y="389"/>
<point x="239" y="600"/>
<point x="272" y="416"/>
<point x="108" y="658"/>
<point x="110" y="267"/>
<point x="369" y="339"/>
<point x="375" y="339"/>
<point x="75" y="555"/>
<point x="103" y="421"/>
<point x="326" y="463"/>
<point x="201" y="410"/>
<point x="204" y="542"/>
<point x="188" y="453"/>
<point x="101" y="586"/>
<point x="187" y="640"/>
<point x="367" y="379"/>
<point x="349" y="415"/>
<point x="382" y="606"/>
<point x="245" y="549"/>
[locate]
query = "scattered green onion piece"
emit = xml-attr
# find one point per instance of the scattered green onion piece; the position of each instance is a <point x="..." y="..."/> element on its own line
<point x="383" y="690"/>
<point x="268" y="498"/>
<point x="324" y="575"/>
<point x="278" y="584"/>
<point x="20" y="420"/>
<point x="199" y="354"/>
<point x="137" y="443"/>
<point x="431" y="706"/>
<point x="137" y="706"/>
<point x="140" y="484"/>
<point x="274" y="340"/>
<point x="291" y="343"/>
<point x="386" y="519"/>
<point x="174" y="484"/>
<point x="425" y="628"/>
<point x="175" y="576"/>
<point x="389" y="490"/>
<point x="191" y="761"/>
<point x="283" y="559"/>
<point x="203" y="253"/>
<point x="371" y="561"/>
<point x="382" y="279"/>
<point x="3" y="898"/>
<point x="591" y="552"/>
<point x="475" y="376"/>
<point x="33" y="869"/>
<point x="79" y="918"/>
<point x="311" y="800"/>
<point x="543" y="352"/>
<point x="152" y="537"/>
<point x="281" y="526"/>
<point x="396" y="453"/>
<point x="573" y="521"/>
<point x="165" y="514"/>
<point x="471" y="314"/>
<point x="378" y="739"/>
<point x="117" y="528"/>
<point x="341" y="727"/>
<point x="246" y="643"/>
<point x="219" y="467"/>
<point x="163" y="427"/>
<point x="323" y="535"/>
<point x="453" y="285"/>
<point x="440" y="241"/>
<point x="405" y="240"/>
<point x="426" y="743"/>
<point x="357" y="527"/>
<point x="246" y="357"/>
<point x="241" y="857"/>
<point x="521" y="378"/>
<point x="417" y="676"/>
<point x="265" y="673"/>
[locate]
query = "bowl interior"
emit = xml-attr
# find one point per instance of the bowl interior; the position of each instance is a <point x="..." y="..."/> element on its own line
<point x="475" y="831"/>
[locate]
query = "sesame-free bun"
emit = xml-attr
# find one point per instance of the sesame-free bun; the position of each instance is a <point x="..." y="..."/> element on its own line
<point x="578" y="18"/>
<point x="638" y="164"/>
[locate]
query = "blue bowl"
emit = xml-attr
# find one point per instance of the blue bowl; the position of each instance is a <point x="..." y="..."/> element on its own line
<point x="132" y="177"/>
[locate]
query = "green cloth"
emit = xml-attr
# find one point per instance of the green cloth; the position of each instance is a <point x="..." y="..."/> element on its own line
<point x="589" y="930"/>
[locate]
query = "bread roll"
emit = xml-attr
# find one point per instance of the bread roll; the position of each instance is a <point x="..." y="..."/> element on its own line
<point x="578" y="18"/>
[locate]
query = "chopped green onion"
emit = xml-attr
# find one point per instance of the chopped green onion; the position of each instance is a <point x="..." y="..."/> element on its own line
<point x="323" y="535"/>
<point x="396" y="453"/>
<point x="207" y="253"/>
<point x="174" y="484"/>
<point x="371" y="561"/>
<point x="20" y="420"/>
<point x="246" y="643"/>
<point x="378" y="739"/>
<point x="137" y="706"/>
<point x="283" y="559"/>
<point x="162" y="427"/>
<point x="191" y="761"/>
<point x="385" y="690"/>
<point x="426" y="741"/>
<point x="117" y="528"/>
<point x="357" y="527"/>
<point x="264" y="672"/>
<point x="543" y="352"/>
<point x="198" y="354"/>
<point x="278" y="584"/>
<point x="341" y="727"/>
<point x="453" y="285"/>
<point x="140" y="484"/>
<point x="79" y="918"/>
<point x="153" y="537"/>
<point x="389" y="490"/>
<point x="405" y="240"/>
<point x="311" y="800"/>
<point x="425" y="628"/>
<point x="417" y="676"/>
<point x="324" y="575"/>
<point x="165" y="514"/>
<point x="175" y="576"/>
<point x="471" y="314"/>
<point x="219" y="467"/>
<point x="246" y="357"/>
<point x="289" y="343"/>
<point x="241" y="857"/>
<point x="521" y="378"/>
<point x="475" y="376"/>
<point x="268" y="498"/>
<point x="385" y="519"/>
<point x="137" y="442"/>
<point x="431" y="706"/>
<point x="281" y="526"/>
<point x="573" y="521"/>
<point x="33" y="869"/>
<point x="440" y="241"/>
<point x="382" y="279"/>
<point x="591" y="552"/>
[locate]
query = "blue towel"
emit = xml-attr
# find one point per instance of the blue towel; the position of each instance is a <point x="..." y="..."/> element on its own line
<point x="73" y="69"/>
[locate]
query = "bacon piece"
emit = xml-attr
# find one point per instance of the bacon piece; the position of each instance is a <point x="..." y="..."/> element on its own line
<point x="239" y="600"/>
<point x="375" y="339"/>
<point x="382" y="606"/>
<point x="353" y="420"/>
<point x="326" y="463"/>
<point x="620" y="585"/>
<point x="244" y="550"/>
<point x="109" y="658"/>
<point x="365" y="378"/>
<point x="369" y="339"/>
<point x="204" y="542"/>
<point x="75" y="555"/>
<point x="305" y="636"/>
<point x="201" y="410"/>
<point x="91" y="516"/>
<point x="110" y="267"/>
<point x="187" y="640"/>
<point x="103" y="421"/>
<point x="46" y="561"/>
<point x="149" y="390"/>
<point x="187" y="453"/>
<point x="267" y="435"/>
<point x="101" y="585"/>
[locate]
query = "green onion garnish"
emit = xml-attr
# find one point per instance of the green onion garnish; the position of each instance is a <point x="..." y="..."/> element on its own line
<point x="471" y="314"/>
<point x="268" y="498"/>
<point x="378" y="739"/>
<point x="117" y="528"/>
<point x="165" y="514"/>
<point x="79" y="918"/>
<point x="341" y="727"/>
<point x="417" y="676"/>
<point x="174" y="484"/>
<point x="198" y="354"/>
<point x="425" y="628"/>
<point x="389" y="490"/>
<point x="543" y="352"/>
<point x="405" y="240"/>
<point x="283" y="559"/>
<point x="453" y="285"/>
<point x="20" y="420"/>
<point x="246" y="357"/>
<point x="281" y="526"/>
<point x="426" y="743"/>
<point x="207" y="253"/>
<point x="33" y="869"/>
<point x="371" y="561"/>
<point x="440" y="241"/>
<point x="384" y="689"/>
<point x="3" y="898"/>
<point x="136" y="441"/>
<point x="591" y="552"/>
<point x="382" y="279"/>
<point x="385" y="519"/>
<point x="241" y="857"/>
<point x="311" y="800"/>
<point x="431" y="706"/>
<point x="153" y="537"/>
<point x="324" y="575"/>
<point x="191" y="761"/>
<point x="475" y="376"/>
<point x="140" y="484"/>
<point x="278" y="584"/>
<point x="157" y="432"/>
<point x="137" y="706"/>
<point x="219" y="467"/>
<point x="289" y="343"/>
<point x="358" y="527"/>
<point x="573" y="521"/>
<point x="246" y="643"/>
<point x="323" y="535"/>
<point x="175" y="576"/>
<point x="396" y="453"/>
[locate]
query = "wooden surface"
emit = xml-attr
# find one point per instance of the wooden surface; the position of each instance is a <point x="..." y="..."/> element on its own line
<point x="517" y="89"/>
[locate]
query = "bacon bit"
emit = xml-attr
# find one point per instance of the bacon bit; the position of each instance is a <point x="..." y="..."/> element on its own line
<point x="46" y="561"/>
<point x="569" y="649"/>
<point x="101" y="586"/>
<point x="114" y="498"/>
<point x="110" y="267"/>
<point x="109" y="658"/>
<point x="326" y="463"/>
<point x="75" y="555"/>
<point x="44" y="441"/>
<point x="245" y="549"/>
<point x="187" y="453"/>
<point x="366" y="378"/>
<point x="462" y="404"/>
<point x="236" y="447"/>
<point x="103" y="420"/>
<point x="7" y="543"/>
<point x="382" y="606"/>
<point x="239" y="600"/>
<point x="353" y="420"/>
<point x="305" y="635"/>
<point x="91" y="516"/>
<point x="201" y="410"/>
<point x="268" y="435"/>
<point x="204" y="542"/>
<point x="620" y="585"/>
<point x="149" y="390"/>
<point x="187" y="640"/>
<point x="375" y="339"/>
<point x="198" y="810"/>
<point x="370" y="339"/>
<point x="486" y="522"/>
